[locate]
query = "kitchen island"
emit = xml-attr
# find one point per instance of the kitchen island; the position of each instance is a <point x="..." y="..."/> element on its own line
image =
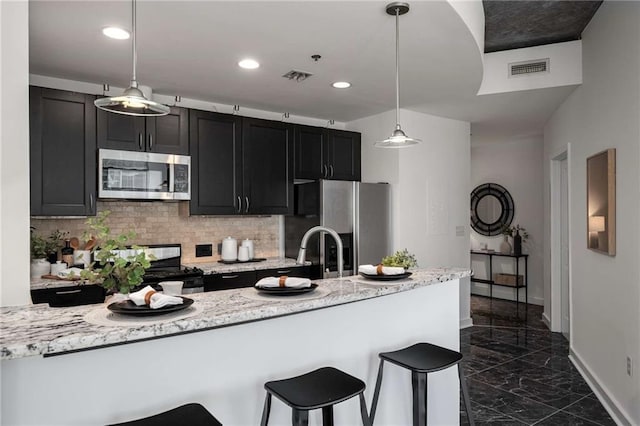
<point x="66" y="366"/>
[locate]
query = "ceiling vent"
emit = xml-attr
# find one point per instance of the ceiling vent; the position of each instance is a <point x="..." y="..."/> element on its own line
<point x="298" y="76"/>
<point x="528" y="67"/>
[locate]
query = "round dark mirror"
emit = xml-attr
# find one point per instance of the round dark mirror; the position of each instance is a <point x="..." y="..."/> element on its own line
<point x="492" y="209"/>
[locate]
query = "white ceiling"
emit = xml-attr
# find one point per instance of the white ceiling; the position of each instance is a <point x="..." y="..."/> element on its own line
<point x="191" y="48"/>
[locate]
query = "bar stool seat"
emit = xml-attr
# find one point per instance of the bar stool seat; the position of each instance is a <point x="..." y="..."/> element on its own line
<point x="189" y="414"/>
<point x="421" y="359"/>
<point x="321" y="388"/>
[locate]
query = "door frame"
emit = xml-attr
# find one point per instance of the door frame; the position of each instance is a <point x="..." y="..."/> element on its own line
<point x="555" y="240"/>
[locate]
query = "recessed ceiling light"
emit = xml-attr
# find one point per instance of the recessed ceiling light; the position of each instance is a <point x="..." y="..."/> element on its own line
<point x="249" y="64"/>
<point x="341" y="84"/>
<point x="115" y="32"/>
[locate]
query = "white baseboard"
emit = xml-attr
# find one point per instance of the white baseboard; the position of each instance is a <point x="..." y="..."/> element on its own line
<point x="505" y="293"/>
<point x="608" y="402"/>
<point x="546" y="320"/>
<point x="465" y="323"/>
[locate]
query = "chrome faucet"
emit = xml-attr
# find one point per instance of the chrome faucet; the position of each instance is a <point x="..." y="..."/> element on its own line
<point x="302" y="254"/>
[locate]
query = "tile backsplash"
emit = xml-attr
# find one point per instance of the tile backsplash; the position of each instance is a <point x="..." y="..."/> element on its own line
<point x="162" y="223"/>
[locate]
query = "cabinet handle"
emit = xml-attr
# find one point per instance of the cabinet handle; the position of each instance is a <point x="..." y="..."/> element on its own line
<point x="331" y="171"/>
<point x="325" y="171"/>
<point x="239" y="204"/>
<point x="150" y="141"/>
<point x="91" y="202"/>
<point x="284" y="271"/>
<point x="246" y="209"/>
<point x="226" y="277"/>
<point x="69" y="292"/>
<point x="140" y="141"/>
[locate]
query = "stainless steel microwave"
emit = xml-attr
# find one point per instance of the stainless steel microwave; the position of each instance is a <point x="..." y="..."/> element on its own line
<point x="143" y="175"/>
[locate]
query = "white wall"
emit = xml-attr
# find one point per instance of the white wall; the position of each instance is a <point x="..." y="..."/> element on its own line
<point x="605" y="291"/>
<point x="429" y="187"/>
<point x="517" y="166"/>
<point x="564" y="68"/>
<point x="14" y="153"/>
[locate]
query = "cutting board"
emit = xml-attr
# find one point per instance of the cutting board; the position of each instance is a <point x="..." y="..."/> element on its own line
<point x="55" y="277"/>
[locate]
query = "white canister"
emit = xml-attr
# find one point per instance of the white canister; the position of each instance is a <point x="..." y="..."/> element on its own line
<point x="172" y="288"/>
<point x="57" y="267"/>
<point x="243" y="253"/>
<point x="40" y="267"/>
<point x="249" y="245"/>
<point x="229" y="249"/>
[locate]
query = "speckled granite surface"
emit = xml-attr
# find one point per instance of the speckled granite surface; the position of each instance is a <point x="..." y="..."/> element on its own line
<point x="208" y="268"/>
<point x="41" y="330"/>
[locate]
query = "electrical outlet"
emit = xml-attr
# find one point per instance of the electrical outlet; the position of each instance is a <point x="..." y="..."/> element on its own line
<point x="629" y="366"/>
<point x="204" y="250"/>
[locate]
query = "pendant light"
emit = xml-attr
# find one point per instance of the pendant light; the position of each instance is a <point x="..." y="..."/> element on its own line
<point x="132" y="101"/>
<point x="398" y="138"/>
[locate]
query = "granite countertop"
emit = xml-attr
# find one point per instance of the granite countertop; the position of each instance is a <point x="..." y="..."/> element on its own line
<point x="207" y="268"/>
<point x="40" y="330"/>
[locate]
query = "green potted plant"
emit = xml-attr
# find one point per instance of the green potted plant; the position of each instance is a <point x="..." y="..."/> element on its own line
<point x="115" y="273"/>
<point x="401" y="258"/>
<point x="39" y="249"/>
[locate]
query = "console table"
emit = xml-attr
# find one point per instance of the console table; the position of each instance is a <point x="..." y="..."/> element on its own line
<point x="517" y="286"/>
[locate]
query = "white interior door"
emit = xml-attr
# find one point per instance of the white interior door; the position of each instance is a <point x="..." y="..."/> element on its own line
<point x="564" y="248"/>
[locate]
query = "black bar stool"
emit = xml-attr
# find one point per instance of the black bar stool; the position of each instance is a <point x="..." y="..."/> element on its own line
<point x="321" y="388"/>
<point x="421" y="359"/>
<point x="188" y="414"/>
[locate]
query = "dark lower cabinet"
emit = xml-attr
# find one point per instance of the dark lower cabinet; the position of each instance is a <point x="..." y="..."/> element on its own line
<point x="62" y="153"/>
<point x="213" y="282"/>
<point x="167" y="134"/>
<point x="327" y="154"/>
<point x="69" y="296"/>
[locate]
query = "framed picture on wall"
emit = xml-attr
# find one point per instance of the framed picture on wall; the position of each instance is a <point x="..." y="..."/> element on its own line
<point x="601" y="202"/>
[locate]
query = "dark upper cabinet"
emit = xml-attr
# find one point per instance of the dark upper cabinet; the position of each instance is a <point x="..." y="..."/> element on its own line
<point x="267" y="153"/>
<point x="343" y="155"/>
<point x="62" y="153"/>
<point x="326" y="154"/>
<point x="216" y="163"/>
<point x="168" y="134"/>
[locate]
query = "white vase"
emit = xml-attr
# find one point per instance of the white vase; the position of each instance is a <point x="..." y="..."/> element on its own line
<point x="505" y="246"/>
<point x="40" y="267"/>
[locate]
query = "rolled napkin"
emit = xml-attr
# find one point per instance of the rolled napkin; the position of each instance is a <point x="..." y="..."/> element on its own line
<point x="71" y="272"/>
<point x="148" y="296"/>
<point x="380" y="270"/>
<point x="284" y="281"/>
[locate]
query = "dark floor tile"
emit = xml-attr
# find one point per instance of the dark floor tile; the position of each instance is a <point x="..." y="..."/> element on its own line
<point x="509" y="374"/>
<point x="503" y="348"/>
<point x="484" y="357"/>
<point x="591" y="409"/>
<point x="564" y="419"/>
<point x="549" y="360"/>
<point x="571" y="382"/>
<point x="486" y="416"/>
<point x="519" y="407"/>
<point x="529" y="339"/>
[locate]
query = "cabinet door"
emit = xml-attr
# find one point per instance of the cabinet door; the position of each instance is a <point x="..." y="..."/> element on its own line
<point x="267" y="153"/>
<point x="229" y="280"/>
<point x="119" y="131"/>
<point x="310" y="162"/>
<point x="216" y="163"/>
<point x="343" y="152"/>
<point x="62" y="153"/>
<point x="169" y="134"/>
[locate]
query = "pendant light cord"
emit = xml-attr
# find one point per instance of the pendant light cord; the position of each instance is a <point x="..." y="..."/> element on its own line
<point x="397" y="68"/>
<point x="135" y="53"/>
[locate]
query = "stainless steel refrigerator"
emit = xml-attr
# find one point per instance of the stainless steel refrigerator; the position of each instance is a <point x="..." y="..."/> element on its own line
<point x="358" y="212"/>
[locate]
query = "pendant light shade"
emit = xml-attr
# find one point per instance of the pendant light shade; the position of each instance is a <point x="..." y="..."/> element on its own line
<point x="132" y="101"/>
<point x="398" y="138"/>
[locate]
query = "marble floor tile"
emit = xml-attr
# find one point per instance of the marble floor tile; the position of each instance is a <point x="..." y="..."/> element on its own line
<point x="520" y="373"/>
<point x="564" y="419"/>
<point x="590" y="409"/>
